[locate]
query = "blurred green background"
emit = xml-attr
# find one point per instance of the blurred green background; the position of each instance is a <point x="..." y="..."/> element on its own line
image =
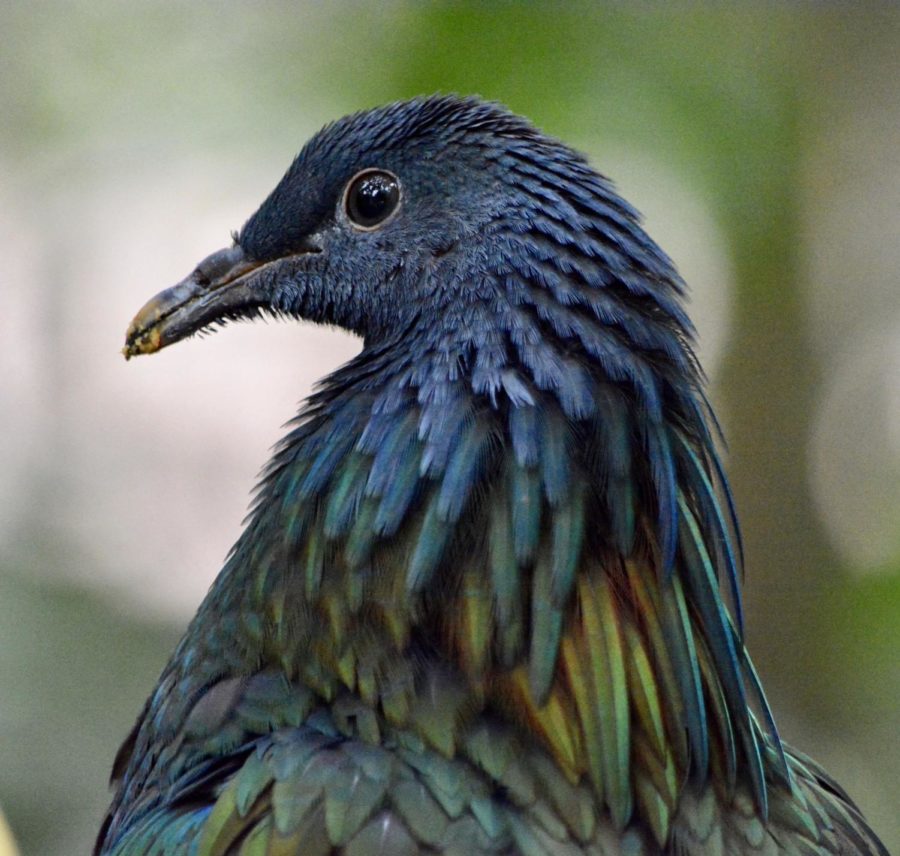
<point x="760" y="140"/>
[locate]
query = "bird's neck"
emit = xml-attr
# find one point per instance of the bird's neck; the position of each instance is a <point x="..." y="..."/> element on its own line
<point x="414" y="541"/>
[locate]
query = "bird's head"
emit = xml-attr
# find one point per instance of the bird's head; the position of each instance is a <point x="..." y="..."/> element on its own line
<point x="352" y="233"/>
<point x="444" y="220"/>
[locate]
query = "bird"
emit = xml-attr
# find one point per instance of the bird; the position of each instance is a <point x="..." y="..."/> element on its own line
<point x="487" y="597"/>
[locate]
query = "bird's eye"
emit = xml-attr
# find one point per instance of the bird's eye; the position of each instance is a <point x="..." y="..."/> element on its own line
<point x="371" y="197"/>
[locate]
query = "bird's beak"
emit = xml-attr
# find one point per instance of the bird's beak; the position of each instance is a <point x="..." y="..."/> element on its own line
<point x="218" y="287"/>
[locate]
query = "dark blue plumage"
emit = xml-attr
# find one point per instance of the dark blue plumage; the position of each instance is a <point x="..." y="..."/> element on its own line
<point x="476" y="607"/>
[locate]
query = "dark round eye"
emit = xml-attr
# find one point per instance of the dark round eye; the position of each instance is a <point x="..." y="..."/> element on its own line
<point x="371" y="197"/>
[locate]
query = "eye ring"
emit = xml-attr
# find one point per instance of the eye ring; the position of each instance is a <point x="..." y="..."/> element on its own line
<point x="371" y="198"/>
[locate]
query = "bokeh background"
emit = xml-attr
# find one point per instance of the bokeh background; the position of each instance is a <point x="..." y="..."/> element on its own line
<point x="762" y="142"/>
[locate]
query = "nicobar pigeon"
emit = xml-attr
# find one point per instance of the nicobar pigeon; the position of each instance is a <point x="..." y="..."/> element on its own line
<point x="486" y="600"/>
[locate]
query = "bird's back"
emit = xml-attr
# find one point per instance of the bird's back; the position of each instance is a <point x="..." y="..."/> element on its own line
<point x="332" y="786"/>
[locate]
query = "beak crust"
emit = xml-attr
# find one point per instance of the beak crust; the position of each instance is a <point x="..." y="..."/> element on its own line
<point x="217" y="287"/>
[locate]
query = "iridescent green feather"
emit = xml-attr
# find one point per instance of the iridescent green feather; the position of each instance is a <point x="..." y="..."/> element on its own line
<point x="546" y="625"/>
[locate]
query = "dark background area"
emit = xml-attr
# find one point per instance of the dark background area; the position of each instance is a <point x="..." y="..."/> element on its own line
<point x="761" y="141"/>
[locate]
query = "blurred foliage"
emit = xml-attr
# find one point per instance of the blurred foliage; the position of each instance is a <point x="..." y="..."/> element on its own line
<point x="728" y="94"/>
<point x="74" y="673"/>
